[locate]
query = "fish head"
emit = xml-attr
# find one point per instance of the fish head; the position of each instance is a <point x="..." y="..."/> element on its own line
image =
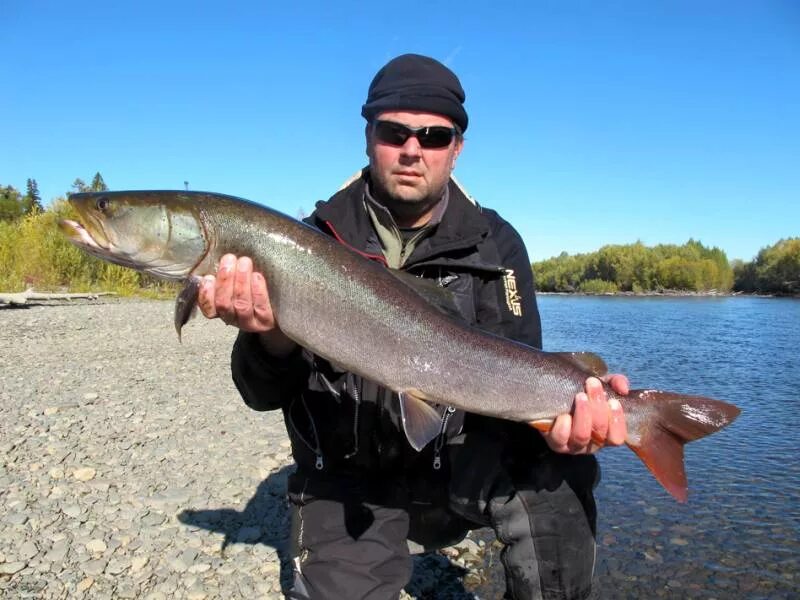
<point x="155" y="232"/>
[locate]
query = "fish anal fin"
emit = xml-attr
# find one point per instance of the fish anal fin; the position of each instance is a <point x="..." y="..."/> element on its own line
<point x="588" y="362"/>
<point x="186" y="303"/>
<point x="421" y="422"/>
<point x="543" y="425"/>
<point x="666" y="422"/>
<point x="546" y="425"/>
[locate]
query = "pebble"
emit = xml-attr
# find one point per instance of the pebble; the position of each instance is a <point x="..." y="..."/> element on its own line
<point x="138" y="563"/>
<point x="9" y="568"/>
<point x="72" y="510"/>
<point x="126" y="590"/>
<point x="27" y="550"/>
<point x="84" y="474"/>
<point x="679" y="541"/>
<point x="94" y="567"/>
<point x="96" y="546"/>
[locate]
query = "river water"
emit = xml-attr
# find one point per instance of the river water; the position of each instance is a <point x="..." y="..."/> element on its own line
<point x="739" y="534"/>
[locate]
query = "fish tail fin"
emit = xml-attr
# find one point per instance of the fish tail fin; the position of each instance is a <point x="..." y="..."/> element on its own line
<point x="666" y="421"/>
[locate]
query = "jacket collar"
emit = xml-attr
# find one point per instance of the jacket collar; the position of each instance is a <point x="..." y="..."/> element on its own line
<point x="462" y="226"/>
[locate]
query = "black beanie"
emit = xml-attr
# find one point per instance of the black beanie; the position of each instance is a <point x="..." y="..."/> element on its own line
<point x="418" y="83"/>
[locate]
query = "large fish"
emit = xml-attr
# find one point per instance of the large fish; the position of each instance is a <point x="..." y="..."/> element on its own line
<point x="366" y="318"/>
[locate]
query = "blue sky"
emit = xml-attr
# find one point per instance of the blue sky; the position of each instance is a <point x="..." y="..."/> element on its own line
<point x="590" y="122"/>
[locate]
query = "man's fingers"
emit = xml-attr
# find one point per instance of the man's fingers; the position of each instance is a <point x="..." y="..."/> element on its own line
<point x="205" y="300"/>
<point x="581" y="423"/>
<point x="598" y="404"/>
<point x="558" y="437"/>
<point x="223" y="296"/>
<point x="617" y="429"/>
<point x="262" y="310"/>
<point x="619" y="383"/>
<point x="242" y="296"/>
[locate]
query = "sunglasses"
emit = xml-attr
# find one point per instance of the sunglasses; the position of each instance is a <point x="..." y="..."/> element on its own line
<point x="396" y="134"/>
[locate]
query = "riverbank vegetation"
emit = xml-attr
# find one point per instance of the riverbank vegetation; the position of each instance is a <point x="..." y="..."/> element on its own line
<point x="775" y="270"/>
<point x="690" y="268"/>
<point x="35" y="254"/>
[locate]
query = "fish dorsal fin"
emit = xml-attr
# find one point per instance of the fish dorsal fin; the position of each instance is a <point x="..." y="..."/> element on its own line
<point x="588" y="362"/>
<point x="186" y="303"/>
<point x="434" y="294"/>
<point x="421" y="422"/>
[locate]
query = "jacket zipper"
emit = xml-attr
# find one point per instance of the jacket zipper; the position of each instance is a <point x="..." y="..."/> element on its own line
<point x="357" y="398"/>
<point x="316" y="448"/>
<point x="437" y="452"/>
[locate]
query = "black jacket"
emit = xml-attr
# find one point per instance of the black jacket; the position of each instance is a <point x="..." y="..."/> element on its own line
<point x="338" y="422"/>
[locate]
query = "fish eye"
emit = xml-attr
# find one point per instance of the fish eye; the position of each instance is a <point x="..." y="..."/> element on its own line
<point x="102" y="204"/>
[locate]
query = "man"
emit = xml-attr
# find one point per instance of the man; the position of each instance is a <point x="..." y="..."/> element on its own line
<point x="360" y="490"/>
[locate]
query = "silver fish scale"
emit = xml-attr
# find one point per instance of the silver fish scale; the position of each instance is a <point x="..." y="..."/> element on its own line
<point x="353" y="312"/>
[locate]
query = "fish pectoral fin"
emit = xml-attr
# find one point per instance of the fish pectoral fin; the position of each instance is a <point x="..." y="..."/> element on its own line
<point x="186" y="303"/>
<point x="421" y="422"/>
<point x="588" y="362"/>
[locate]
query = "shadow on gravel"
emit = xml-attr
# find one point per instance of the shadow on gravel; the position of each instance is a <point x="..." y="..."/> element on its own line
<point x="264" y="520"/>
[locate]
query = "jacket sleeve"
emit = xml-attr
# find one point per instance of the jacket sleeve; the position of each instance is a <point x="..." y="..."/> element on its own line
<point x="264" y="382"/>
<point x="519" y="313"/>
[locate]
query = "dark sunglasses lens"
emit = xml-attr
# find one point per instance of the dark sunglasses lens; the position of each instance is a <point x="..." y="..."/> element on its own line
<point x="392" y="133"/>
<point x="428" y="137"/>
<point x="435" y="137"/>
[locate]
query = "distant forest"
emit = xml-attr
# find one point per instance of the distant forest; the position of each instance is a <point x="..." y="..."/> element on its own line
<point x="34" y="253"/>
<point x="691" y="267"/>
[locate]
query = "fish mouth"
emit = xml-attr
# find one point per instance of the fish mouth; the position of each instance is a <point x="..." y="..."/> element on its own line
<point x="81" y="237"/>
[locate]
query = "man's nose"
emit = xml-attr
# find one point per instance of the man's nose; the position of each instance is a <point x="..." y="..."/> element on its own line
<point x="411" y="147"/>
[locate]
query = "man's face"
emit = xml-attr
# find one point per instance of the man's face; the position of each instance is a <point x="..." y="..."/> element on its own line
<point x="408" y="178"/>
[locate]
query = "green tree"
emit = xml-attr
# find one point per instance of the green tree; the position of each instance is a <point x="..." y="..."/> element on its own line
<point x="98" y="185"/>
<point x="11" y="204"/>
<point x="635" y="267"/>
<point x="32" y="203"/>
<point x="79" y="185"/>
<point x="775" y="270"/>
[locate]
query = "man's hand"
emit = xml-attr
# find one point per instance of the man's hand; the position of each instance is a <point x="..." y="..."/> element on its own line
<point x="594" y="422"/>
<point x="239" y="297"/>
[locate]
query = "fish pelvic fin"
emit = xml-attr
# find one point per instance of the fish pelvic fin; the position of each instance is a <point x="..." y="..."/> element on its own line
<point x="421" y="422"/>
<point x="667" y="422"/>
<point x="186" y="303"/>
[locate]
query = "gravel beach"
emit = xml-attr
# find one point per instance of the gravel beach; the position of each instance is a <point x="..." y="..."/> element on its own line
<point x="130" y="467"/>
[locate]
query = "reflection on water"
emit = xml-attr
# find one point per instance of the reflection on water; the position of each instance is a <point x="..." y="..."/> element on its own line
<point x="739" y="534"/>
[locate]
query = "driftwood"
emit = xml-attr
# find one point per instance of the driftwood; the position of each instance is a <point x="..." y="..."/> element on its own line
<point x="19" y="298"/>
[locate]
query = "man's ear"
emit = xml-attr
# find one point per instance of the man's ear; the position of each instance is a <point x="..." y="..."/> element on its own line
<point x="367" y="143"/>
<point x="457" y="151"/>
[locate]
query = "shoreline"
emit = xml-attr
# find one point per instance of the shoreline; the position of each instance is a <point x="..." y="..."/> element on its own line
<point x="671" y="294"/>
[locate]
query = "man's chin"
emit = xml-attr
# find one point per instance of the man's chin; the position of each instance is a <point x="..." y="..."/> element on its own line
<point x="408" y="193"/>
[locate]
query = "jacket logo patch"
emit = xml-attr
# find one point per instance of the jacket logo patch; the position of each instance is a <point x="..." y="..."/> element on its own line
<point x="513" y="299"/>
